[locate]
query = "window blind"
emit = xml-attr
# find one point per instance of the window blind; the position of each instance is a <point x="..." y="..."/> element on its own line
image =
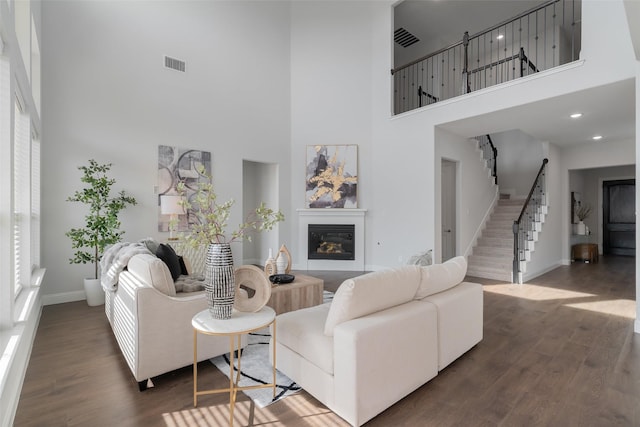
<point x="21" y="188"/>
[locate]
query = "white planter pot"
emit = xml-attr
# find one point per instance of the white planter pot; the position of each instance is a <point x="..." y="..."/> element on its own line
<point x="94" y="292"/>
<point x="581" y="228"/>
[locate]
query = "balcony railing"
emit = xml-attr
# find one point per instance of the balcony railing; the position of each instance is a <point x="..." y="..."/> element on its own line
<point x="536" y="40"/>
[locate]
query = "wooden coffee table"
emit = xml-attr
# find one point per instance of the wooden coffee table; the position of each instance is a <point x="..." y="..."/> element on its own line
<point x="304" y="291"/>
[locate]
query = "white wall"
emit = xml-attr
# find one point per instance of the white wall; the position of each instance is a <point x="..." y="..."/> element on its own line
<point x="341" y="92"/>
<point x="331" y="94"/>
<point x="602" y="157"/>
<point x="590" y="183"/>
<point x="476" y="191"/>
<point x="636" y="327"/>
<point x="106" y="95"/>
<point x="576" y="185"/>
<point x="519" y="160"/>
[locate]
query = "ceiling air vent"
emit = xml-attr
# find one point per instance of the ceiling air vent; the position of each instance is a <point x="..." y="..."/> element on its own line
<point x="404" y="38"/>
<point x="174" y="64"/>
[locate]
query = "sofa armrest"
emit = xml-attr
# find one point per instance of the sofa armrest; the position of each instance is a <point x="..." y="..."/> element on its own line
<point x="382" y="357"/>
<point x="154" y="330"/>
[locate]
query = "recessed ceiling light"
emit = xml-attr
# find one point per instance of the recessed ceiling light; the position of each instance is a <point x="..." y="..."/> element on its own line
<point x="597" y="137"/>
<point x="575" y="115"/>
<point x="500" y="37"/>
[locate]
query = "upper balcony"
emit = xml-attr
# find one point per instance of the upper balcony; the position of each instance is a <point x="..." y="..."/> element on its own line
<point x="495" y="42"/>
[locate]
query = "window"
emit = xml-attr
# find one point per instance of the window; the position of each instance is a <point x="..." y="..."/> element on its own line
<point x="21" y="196"/>
<point x="6" y="209"/>
<point x="19" y="191"/>
<point x="35" y="202"/>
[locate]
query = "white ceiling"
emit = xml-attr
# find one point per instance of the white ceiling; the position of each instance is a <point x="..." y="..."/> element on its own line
<point x="441" y="23"/>
<point x="608" y="111"/>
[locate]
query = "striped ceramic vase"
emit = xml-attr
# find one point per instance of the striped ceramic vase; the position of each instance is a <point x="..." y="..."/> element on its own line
<point x="220" y="280"/>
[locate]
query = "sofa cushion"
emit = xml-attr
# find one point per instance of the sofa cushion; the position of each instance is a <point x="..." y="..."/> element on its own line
<point x="152" y="271"/>
<point x="371" y="293"/>
<point x="169" y="256"/>
<point x="440" y="277"/>
<point x="188" y="284"/>
<point x="302" y="331"/>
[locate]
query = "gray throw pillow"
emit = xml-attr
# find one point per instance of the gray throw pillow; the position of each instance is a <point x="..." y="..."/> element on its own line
<point x="422" y="259"/>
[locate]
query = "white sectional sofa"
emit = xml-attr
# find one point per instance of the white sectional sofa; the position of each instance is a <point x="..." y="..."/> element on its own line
<point x="383" y="336"/>
<point x="152" y="322"/>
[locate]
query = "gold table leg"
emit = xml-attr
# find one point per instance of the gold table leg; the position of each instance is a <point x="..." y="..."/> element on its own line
<point x="234" y="383"/>
<point x="195" y="368"/>
<point x="273" y="341"/>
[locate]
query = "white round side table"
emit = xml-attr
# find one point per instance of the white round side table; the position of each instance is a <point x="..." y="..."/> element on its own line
<point x="239" y="324"/>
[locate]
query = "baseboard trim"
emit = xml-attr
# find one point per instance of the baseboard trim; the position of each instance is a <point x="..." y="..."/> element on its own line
<point x="63" y="297"/>
<point x="529" y="276"/>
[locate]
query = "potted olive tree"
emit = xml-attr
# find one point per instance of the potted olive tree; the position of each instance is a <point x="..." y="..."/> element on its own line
<point x="101" y="224"/>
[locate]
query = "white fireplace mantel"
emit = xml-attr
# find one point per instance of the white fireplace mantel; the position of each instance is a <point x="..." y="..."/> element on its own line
<point x="331" y="216"/>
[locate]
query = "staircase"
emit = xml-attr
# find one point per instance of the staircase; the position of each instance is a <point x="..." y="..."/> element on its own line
<point x="513" y="226"/>
<point x="492" y="257"/>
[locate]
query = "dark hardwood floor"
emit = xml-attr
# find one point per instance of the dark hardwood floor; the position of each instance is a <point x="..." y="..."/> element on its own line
<point x="558" y="351"/>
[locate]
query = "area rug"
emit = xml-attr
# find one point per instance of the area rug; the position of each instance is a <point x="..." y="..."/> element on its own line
<point x="257" y="369"/>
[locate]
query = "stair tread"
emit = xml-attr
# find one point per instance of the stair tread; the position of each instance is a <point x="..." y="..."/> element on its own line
<point x="493" y="250"/>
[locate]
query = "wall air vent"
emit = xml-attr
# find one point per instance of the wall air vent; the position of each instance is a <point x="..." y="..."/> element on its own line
<point x="404" y="38"/>
<point x="174" y="64"/>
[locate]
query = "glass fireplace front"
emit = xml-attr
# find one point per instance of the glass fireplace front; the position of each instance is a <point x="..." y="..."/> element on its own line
<point x="332" y="241"/>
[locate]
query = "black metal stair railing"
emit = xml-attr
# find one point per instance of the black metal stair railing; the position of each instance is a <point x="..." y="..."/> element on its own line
<point x="489" y="154"/>
<point x="536" y="40"/>
<point x="524" y="228"/>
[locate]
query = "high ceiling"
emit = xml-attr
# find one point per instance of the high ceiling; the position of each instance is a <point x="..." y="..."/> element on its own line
<point x="608" y="111"/>
<point x="440" y="23"/>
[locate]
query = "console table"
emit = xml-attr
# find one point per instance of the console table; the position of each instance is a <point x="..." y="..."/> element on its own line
<point x="587" y="252"/>
<point x="240" y="323"/>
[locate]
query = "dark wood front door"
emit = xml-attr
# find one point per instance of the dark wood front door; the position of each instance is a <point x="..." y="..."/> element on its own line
<point x="619" y="220"/>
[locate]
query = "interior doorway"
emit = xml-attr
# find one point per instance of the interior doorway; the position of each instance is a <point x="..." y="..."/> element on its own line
<point x="618" y="217"/>
<point x="448" y="208"/>
<point x="259" y="184"/>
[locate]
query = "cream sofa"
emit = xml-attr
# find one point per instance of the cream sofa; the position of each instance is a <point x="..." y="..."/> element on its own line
<point x="152" y="322"/>
<point x="384" y="335"/>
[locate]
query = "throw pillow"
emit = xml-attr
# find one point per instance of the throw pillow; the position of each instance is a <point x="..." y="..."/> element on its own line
<point x="423" y="258"/>
<point x="184" y="269"/>
<point x="440" y="277"/>
<point x="169" y="256"/>
<point x="371" y="293"/>
<point x="151" y="244"/>
<point x="152" y="271"/>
